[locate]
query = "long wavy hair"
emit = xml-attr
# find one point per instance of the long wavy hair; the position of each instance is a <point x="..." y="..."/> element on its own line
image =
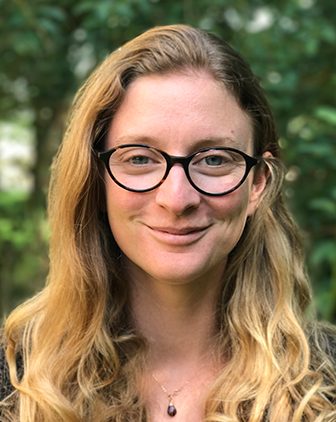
<point x="81" y="356"/>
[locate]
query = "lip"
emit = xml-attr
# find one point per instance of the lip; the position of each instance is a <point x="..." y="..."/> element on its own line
<point x="178" y="236"/>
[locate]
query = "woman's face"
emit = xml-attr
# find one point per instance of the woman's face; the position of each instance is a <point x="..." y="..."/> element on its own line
<point x="174" y="233"/>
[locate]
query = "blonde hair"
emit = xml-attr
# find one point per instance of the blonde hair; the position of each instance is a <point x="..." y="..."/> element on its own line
<point x="80" y="352"/>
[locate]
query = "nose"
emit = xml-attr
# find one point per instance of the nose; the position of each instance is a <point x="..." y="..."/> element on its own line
<point x="176" y="193"/>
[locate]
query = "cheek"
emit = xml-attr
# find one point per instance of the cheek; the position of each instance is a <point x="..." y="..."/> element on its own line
<point x="234" y="205"/>
<point x="117" y="207"/>
<point x="119" y="214"/>
<point x="122" y="207"/>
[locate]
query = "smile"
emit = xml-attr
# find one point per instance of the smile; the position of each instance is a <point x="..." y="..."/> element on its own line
<point x="182" y="236"/>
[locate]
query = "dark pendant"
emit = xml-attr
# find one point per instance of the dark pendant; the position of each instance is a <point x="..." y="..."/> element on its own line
<point x="171" y="410"/>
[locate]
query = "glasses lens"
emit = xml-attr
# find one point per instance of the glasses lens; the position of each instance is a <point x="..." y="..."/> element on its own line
<point x="217" y="171"/>
<point x="137" y="168"/>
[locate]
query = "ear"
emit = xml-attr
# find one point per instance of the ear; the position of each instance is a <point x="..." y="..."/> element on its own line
<point x="258" y="186"/>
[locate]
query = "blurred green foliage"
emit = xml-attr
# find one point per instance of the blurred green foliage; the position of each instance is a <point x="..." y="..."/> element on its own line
<point x="47" y="50"/>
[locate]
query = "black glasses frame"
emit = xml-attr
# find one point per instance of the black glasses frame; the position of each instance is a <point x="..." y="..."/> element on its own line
<point x="104" y="156"/>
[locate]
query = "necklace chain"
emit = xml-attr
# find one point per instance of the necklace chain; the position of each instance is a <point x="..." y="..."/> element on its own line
<point x="176" y="392"/>
<point x="171" y="408"/>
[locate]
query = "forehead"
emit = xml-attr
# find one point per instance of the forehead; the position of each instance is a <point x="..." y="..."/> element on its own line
<point x="179" y="112"/>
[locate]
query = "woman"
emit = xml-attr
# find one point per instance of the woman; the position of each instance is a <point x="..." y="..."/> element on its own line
<point x="176" y="287"/>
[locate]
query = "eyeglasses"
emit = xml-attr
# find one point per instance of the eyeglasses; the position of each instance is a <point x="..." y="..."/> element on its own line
<point x="211" y="171"/>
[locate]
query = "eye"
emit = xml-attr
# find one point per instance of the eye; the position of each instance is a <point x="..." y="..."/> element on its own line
<point x="214" y="160"/>
<point x="217" y="163"/>
<point x="139" y="160"/>
<point x="136" y="160"/>
<point x="135" y="156"/>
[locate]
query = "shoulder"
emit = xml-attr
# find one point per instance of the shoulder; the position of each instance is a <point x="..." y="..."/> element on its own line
<point x="322" y="339"/>
<point x="330" y="348"/>
<point x="5" y="385"/>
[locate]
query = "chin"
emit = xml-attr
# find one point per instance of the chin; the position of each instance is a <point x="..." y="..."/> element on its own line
<point x="178" y="272"/>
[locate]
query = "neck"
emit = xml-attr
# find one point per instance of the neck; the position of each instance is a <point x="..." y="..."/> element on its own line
<point x="179" y="324"/>
<point x="177" y="320"/>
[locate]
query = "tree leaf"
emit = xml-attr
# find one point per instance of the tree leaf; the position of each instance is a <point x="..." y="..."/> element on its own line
<point x="327" y="114"/>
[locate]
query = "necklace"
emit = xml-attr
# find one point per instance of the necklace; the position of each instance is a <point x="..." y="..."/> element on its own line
<point x="171" y="410"/>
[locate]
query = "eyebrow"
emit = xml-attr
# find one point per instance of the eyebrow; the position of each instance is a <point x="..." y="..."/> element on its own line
<point x="219" y="141"/>
<point x="216" y="141"/>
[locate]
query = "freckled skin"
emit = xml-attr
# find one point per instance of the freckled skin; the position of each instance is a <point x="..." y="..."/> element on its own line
<point x="177" y="113"/>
